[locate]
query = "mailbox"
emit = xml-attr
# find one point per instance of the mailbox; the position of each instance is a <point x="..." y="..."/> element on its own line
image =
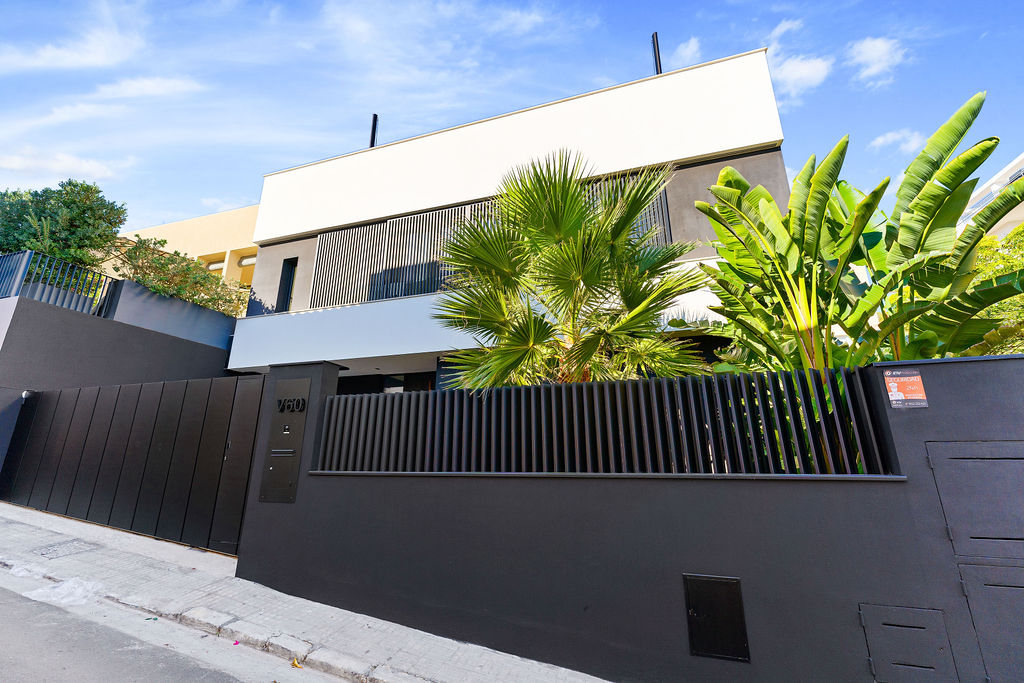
<point x="287" y="426"/>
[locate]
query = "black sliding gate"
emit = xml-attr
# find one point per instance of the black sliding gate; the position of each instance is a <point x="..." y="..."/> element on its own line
<point x="166" y="459"/>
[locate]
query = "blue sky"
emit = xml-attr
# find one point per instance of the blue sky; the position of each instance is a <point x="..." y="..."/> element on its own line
<point x="178" y="109"/>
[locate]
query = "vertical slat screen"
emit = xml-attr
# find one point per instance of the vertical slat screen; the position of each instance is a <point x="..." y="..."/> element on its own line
<point x="764" y="424"/>
<point x="401" y="256"/>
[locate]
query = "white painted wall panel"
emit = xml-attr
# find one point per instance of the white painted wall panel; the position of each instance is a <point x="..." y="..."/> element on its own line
<point x="382" y="328"/>
<point x="700" y="112"/>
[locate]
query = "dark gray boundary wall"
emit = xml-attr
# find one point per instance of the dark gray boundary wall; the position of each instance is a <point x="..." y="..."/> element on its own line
<point x="139" y="306"/>
<point x="587" y="572"/>
<point x="48" y="347"/>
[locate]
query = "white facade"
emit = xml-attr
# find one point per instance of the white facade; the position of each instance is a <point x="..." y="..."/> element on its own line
<point x="691" y="116"/>
<point x="396" y="335"/>
<point x="711" y="110"/>
<point x="987" y="192"/>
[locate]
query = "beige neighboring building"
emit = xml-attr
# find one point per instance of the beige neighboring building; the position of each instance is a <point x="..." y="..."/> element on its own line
<point x="222" y="241"/>
<point x="988" y="190"/>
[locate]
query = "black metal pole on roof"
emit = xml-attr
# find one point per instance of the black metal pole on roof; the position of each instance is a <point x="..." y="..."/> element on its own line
<point x="657" y="52"/>
<point x="373" y="131"/>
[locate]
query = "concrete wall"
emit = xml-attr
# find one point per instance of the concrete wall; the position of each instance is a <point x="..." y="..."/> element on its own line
<point x="690" y="183"/>
<point x="586" y="572"/>
<point x="139" y="306"/>
<point x="267" y="275"/>
<point x="47" y="347"/>
<point x="661" y="119"/>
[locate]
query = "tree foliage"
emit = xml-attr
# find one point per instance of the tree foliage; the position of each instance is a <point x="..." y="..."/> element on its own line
<point x="81" y="224"/>
<point x="556" y="286"/>
<point x="178" y="275"/>
<point x="995" y="258"/>
<point x="835" y="281"/>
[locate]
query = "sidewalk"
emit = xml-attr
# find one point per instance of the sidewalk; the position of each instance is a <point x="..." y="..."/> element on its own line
<point x="199" y="589"/>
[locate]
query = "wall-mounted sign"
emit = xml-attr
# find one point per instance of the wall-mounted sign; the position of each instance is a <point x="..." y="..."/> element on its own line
<point x="905" y="388"/>
<point x="291" y="405"/>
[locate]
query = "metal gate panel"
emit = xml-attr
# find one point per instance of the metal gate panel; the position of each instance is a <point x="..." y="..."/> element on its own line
<point x="92" y="453"/>
<point x="234" y="476"/>
<point x="206" y="478"/>
<point x="50" y="460"/>
<point x="183" y="460"/>
<point x="16" y="448"/>
<point x="169" y="459"/>
<point x="113" y="453"/>
<point x="126" y="496"/>
<point x="996" y="597"/>
<point x="154" y="479"/>
<point x="979" y="484"/>
<point x="28" y="464"/>
<point x="67" y="471"/>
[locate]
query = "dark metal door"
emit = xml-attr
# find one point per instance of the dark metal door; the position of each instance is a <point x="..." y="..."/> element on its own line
<point x="979" y="484"/>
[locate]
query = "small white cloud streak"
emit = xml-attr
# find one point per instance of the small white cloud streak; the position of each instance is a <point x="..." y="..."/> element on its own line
<point x="793" y="75"/>
<point x="875" y="59"/>
<point x="906" y="140"/>
<point x="32" y="168"/>
<point x="106" y="43"/>
<point x="218" y="204"/>
<point x="153" y="86"/>
<point x="686" y="54"/>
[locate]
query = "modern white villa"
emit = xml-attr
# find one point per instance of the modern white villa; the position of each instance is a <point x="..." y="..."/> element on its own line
<point x="347" y="265"/>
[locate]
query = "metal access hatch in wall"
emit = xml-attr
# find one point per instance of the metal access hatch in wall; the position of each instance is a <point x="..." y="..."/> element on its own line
<point x="907" y="644"/>
<point x="979" y="484"/>
<point x="996" y="597"/>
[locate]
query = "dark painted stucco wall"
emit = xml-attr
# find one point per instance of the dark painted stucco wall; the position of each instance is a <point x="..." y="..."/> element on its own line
<point x="691" y="183"/>
<point x="47" y="347"/>
<point x="587" y="572"/>
<point x="139" y="306"/>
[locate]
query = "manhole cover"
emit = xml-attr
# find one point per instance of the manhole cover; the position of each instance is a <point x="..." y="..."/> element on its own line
<point x="52" y="552"/>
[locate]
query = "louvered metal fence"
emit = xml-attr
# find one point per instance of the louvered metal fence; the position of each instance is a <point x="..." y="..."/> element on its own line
<point x="51" y="280"/>
<point x="766" y="424"/>
<point x="401" y="256"/>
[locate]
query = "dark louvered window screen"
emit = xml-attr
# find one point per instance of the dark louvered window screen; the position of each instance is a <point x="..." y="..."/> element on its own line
<point x="765" y="424"/>
<point x="400" y="257"/>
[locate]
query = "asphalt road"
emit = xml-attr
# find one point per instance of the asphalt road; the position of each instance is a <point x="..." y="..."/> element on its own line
<point x="41" y="642"/>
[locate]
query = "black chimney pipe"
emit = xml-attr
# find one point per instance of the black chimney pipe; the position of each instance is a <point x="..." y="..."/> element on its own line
<point x="657" y="52"/>
<point x="373" y="131"/>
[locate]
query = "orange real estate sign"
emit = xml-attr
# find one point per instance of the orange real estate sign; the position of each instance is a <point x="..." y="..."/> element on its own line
<point x="905" y="388"/>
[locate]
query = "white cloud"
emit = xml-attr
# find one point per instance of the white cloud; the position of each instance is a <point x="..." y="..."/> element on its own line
<point x="517" y="22"/>
<point x="783" y="27"/>
<point x="875" y="59"/>
<point x="794" y="74"/>
<point x="110" y="41"/>
<point x="154" y="86"/>
<point x="908" y="141"/>
<point x="30" y="168"/>
<point x="686" y="54"/>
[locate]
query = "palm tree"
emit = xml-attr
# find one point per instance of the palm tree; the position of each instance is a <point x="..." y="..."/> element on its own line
<point x="557" y="283"/>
